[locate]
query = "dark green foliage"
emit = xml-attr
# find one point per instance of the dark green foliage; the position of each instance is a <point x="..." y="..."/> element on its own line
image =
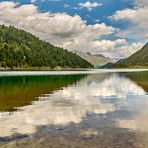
<point x="138" y="59"/>
<point x="21" y="49"/>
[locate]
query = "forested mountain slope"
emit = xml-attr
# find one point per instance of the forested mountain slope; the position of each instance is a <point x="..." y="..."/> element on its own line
<point x="21" y="49"/>
<point x="138" y="59"/>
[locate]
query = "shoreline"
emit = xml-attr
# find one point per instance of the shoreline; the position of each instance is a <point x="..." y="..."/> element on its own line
<point x="72" y="72"/>
<point x="70" y="69"/>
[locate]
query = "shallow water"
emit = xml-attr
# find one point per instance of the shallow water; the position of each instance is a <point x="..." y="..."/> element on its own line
<point x="107" y="109"/>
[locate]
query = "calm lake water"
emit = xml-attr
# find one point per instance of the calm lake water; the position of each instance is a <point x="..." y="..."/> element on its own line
<point x="102" y="110"/>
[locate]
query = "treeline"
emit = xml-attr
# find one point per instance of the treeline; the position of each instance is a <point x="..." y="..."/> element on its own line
<point x="21" y="49"/>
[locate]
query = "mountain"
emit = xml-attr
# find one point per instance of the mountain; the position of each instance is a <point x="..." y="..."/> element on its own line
<point x="19" y="49"/>
<point x="138" y="59"/>
<point x="108" y="65"/>
<point x="97" y="59"/>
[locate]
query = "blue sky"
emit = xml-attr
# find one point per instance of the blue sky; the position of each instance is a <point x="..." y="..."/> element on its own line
<point x="120" y="25"/>
<point x="95" y="15"/>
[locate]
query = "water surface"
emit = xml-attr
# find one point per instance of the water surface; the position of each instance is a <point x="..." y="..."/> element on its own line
<point x="107" y="109"/>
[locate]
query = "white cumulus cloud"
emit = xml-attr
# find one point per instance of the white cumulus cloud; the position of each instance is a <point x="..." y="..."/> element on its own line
<point x="137" y="18"/>
<point x="89" y="5"/>
<point x="63" y="30"/>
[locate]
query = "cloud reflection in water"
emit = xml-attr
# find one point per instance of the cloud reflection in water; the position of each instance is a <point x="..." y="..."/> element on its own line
<point x="72" y="104"/>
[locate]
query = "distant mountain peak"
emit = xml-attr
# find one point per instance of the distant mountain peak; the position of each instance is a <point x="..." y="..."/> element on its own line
<point x="96" y="59"/>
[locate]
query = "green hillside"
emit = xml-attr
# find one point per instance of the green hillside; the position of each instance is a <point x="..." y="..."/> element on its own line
<point x="19" y="49"/>
<point x="138" y="59"/>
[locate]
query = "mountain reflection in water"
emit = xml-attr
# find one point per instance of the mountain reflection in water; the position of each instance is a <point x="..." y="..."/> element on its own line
<point x="111" y="100"/>
<point x="18" y="91"/>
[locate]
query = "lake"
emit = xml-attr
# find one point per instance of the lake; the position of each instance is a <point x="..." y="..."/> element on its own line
<point x="97" y="108"/>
